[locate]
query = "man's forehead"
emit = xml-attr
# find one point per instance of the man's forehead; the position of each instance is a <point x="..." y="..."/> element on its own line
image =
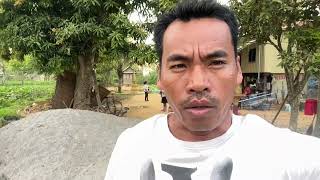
<point x="197" y="29"/>
<point x="204" y="35"/>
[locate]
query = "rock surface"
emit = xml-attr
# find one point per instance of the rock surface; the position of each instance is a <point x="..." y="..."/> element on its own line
<point x="63" y="144"/>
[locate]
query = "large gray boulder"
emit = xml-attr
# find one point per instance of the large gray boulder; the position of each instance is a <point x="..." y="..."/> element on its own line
<point x="61" y="144"/>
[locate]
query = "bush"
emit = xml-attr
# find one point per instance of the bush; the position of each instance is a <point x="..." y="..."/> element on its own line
<point x="14" y="97"/>
<point x="151" y="78"/>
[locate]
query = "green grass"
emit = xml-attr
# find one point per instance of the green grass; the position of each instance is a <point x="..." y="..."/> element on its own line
<point x="15" y="97"/>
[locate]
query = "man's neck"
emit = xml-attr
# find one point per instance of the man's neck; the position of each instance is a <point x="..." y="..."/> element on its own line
<point x="184" y="134"/>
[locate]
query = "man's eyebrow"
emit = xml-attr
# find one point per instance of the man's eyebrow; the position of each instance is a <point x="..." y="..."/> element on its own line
<point x="178" y="57"/>
<point x="216" y="54"/>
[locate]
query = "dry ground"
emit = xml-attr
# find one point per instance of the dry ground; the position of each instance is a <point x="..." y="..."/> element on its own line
<point x="143" y="109"/>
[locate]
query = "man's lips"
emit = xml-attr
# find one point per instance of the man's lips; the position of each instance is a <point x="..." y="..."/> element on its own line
<point x="199" y="107"/>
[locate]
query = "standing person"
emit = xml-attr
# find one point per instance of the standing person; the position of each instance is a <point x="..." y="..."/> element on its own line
<point x="201" y="139"/>
<point x="164" y="101"/>
<point x="247" y="90"/>
<point x="146" y="91"/>
<point x="269" y="83"/>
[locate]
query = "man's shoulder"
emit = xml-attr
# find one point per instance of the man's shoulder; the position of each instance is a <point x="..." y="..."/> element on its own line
<point x="149" y="123"/>
<point x="256" y="127"/>
<point x="254" y="122"/>
<point x="145" y="128"/>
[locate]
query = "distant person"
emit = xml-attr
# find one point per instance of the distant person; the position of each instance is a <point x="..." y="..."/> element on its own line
<point x="146" y="91"/>
<point x="235" y="109"/>
<point x="269" y="83"/>
<point x="164" y="101"/>
<point x="247" y="90"/>
<point x="202" y="139"/>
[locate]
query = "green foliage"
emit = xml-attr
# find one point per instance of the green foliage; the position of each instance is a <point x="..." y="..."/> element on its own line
<point x="14" y="97"/>
<point x="264" y="19"/>
<point x="153" y="88"/>
<point x="106" y="76"/>
<point x="22" y="67"/>
<point x="150" y="78"/>
<point x="315" y="68"/>
<point x="160" y="6"/>
<point x="126" y="47"/>
<point x="56" y="32"/>
<point x="139" y="79"/>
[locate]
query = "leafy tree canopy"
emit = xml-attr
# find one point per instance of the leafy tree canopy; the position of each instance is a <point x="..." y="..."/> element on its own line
<point x="56" y="32"/>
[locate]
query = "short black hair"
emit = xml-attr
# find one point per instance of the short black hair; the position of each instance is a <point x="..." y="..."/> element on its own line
<point x="195" y="9"/>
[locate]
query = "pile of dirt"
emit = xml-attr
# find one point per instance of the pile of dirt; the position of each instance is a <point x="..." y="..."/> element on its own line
<point x="59" y="144"/>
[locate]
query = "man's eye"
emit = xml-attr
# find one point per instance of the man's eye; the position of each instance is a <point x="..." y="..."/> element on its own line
<point x="217" y="63"/>
<point x="178" y="66"/>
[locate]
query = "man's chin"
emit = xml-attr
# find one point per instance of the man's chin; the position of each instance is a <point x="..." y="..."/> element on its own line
<point x="201" y="124"/>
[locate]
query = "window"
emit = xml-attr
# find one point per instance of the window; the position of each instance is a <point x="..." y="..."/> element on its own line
<point x="252" y="55"/>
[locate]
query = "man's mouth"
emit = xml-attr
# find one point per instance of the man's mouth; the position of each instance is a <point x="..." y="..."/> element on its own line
<point x="199" y="107"/>
<point x="199" y="110"/>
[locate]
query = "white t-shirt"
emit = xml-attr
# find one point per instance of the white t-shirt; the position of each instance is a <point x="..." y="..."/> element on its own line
<point x="251" y="149"/>
<point x="162" y="94"/>
<point x="146" y="88"/>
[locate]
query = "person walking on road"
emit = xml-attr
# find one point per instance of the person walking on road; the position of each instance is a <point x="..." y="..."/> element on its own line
<point x="164" y="101"/>
<point x="146" y="91"/>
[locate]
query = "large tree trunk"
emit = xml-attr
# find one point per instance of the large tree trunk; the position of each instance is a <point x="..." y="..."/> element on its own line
<point x="95" y="86"/>
<point x="316" y="131"/>
<point x="120" y="77"/>
<point x="293" y="124"/>
<point x="64" y="92"/>
<point x="296" y="81"/>
<point x="82" y="98"/>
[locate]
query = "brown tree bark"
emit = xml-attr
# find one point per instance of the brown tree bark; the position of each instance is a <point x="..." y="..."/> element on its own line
<point x="82" y="93"/>
<point x="293" y="124"/>
<point x="95" y="86"/>
<point x="120" y="77"/>
<point x="316" y="130"/>
<point x="64" y="91"/>
<point x="295" y="83"/>
<point x="279" y="110"/>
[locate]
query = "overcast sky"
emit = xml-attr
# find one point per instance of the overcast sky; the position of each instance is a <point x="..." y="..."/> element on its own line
<point x="226" y="2"/>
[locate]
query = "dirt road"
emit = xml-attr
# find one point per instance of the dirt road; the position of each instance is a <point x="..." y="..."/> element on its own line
<point x="144" y="109"/>
<point x="138" y="108"/>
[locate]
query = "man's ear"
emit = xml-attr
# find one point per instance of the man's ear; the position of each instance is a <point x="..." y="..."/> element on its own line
<point x="239" y="74"/>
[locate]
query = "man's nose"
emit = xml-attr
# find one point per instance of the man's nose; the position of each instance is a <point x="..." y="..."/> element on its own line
<point x="198" y="79"/>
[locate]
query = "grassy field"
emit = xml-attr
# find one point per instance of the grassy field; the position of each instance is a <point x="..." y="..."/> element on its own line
<point x="15" y="97"/>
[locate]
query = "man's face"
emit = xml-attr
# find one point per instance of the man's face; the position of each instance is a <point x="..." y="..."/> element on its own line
<point x="199" y="73"/>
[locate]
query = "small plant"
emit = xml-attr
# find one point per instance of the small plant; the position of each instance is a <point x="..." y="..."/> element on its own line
<point x="15" y="97"/>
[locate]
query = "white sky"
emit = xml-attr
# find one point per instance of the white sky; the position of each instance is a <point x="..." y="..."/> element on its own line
<point x="225" y="2"/>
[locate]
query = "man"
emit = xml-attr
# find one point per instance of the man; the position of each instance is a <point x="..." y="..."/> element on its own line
<point x="247" y="90"/>
<point x="146" y="91"/>
<point x="164" y="101"/>
<point x="202" y="139"/>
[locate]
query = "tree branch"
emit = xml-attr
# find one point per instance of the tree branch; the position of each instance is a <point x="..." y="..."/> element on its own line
<point x="274" y="45"/>
<point x="279" y="42"/>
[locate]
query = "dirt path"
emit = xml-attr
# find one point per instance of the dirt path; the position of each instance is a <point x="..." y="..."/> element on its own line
<point x="144" y="109"/>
